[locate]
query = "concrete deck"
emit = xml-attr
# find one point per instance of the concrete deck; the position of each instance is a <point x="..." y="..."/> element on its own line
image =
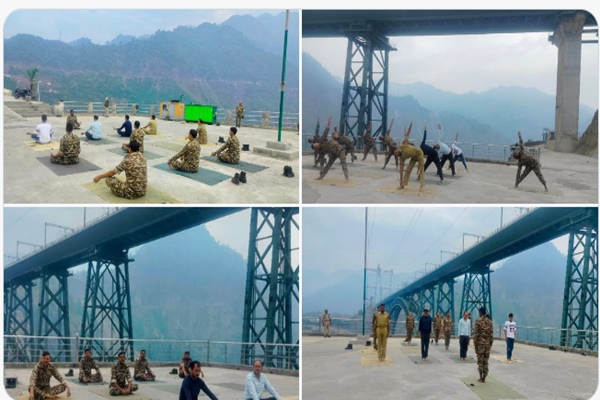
<point x="571" y="179"/>
<point x="27" y="180"/>
<point x="330" y="372"/>
<point x="224" y="383"/>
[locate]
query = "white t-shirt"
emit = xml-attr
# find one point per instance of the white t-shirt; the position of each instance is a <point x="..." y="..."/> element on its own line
<point x="510" y="328"/>
<point x="455" y="149"/>
<point x="44" y="131"/>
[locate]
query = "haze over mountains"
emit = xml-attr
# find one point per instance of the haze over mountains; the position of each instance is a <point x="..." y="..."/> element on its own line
<point x="239" y="59"/>
<point x="493" y="116"/>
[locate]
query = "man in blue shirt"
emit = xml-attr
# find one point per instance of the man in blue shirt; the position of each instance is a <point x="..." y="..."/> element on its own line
<point x="125" y="129"/>
<point x="94" y="132"/>
<point x="425" y="333"/>
<point x="464" y="333"/>
<point x="193" y="384"/>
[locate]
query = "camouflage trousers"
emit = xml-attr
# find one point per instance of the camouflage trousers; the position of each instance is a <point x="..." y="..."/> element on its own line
<point x="238" y="120"/>
<point x="447" y="336"/>
<point x="143" y="377"/>
<point x="125" y="147"/>
<point x="388" y="156"/>
<point x="40" y="393"/>
<point x="182" y="166"/>
<point x="122" y="189"/>
<point x="114" y="392"/>
<point x="536" y="170"/>
<point x="106" y="111"/>
<point x="91" y="377"/>
<point x="436" y="335"/>
<point x="367" y="149"/>
<point x="409" y="333"/>
<point x="64" y="160"/>
<point x="227" y="158"/>
<point x="330" y="163"/>
<point x="202" y="138"/>
<point x="483" y="357"/>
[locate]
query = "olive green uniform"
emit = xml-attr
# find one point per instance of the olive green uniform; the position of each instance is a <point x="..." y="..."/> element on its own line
<point x="86" y="365"/>
<point x="239" y="115"/>
<point x="120" y="376"/>
<point x="202" y="137"/>
<point x="483" y="337"/>
<point x="137" y="135"/>
<point x="448" y="323"/>
<point x="188" y="159"/>
<point x="326" y="320"/>
<point x="410" y="327"/>
<point x="415" y="154"/>
<point x="142" y="371"/>
<point x="134" y="165"/>
<point x="73" y="120"/>
<point x="438" y="327"/>
<point x="152" y="129"/>
<point x="40" y="380"/>
<point x="70" y="147"/>
<point x="230" y="151"/>
<point x="383" y="329"/>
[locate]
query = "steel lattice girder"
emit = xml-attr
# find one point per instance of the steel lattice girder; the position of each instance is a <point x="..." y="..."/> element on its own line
<point x="365" y="92"/>
<point x="18" y="314"/>
<point x="445" y="298"/>
<point x="107" y="307"/>
<point x="477" y="292"/>
<point x="427" y="299"/>
<point x="271" y="291"/>
<point x="54" y="313"/>
<point x="580" y="304"/>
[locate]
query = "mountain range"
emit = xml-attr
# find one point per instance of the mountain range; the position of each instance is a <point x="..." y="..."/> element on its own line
<point x="239" y="59"/>
<point x="493" y="116"/>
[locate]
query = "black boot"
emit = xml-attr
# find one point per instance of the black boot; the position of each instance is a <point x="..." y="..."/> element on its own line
<point x="290" y="173"/>
<point x="236" y="179"/>
<point x="285" y="170"/>
<point x="243" y="177"/>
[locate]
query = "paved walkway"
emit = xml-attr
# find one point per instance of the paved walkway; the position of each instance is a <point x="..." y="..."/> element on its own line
<point x="27" y="180"/>
<point x="331" y="372"/>
<point x="571" y="179"/>
<point x="226" y="384"/>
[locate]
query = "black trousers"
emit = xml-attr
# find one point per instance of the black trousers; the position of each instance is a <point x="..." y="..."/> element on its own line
<point x="448" y="157"/>
<point x="464" y="346"/>
<point x="425" y="344"/>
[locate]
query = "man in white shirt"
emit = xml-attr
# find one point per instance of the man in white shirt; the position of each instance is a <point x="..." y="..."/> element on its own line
<point x="458" y="154"/>
<point x="43" y="132"/>
<point x="444" y="151"/>
<point x="256" y="383"/>
<point x="94" y="132"/>
<point x="510" y="333"/>
<point x="464" y="332"/>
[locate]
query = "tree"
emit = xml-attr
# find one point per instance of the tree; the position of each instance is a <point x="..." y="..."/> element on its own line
<point x="32" y="73"/>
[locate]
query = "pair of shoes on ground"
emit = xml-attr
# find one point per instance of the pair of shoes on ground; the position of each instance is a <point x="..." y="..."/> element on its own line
<point x="287" y="171"/>
<point x="239" y="177"/>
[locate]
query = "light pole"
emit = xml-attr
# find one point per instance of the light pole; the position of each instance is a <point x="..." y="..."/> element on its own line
<point x="38" y="91"/>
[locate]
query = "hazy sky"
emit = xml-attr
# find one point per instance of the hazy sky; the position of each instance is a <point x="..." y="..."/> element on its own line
<point x="399" y="238"/>
<point x="470" y="63"/>
<point x="27" y="225"/>
<point x="104" y="25"/>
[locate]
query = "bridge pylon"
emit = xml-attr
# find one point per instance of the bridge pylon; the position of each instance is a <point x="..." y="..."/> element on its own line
<point x="427" y="299"/>
<point x="477" y="291"/>
<point x="445" y="298"/>
<point x="107" y="308"/>
<point x="580" y="301"/>
<point x="18" y="321"/>
<point x="54" y="315"/>
<point x="272" y="289"/>
<point x="365" y="91"/>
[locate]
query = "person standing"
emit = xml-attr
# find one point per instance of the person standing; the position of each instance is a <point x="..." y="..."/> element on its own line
<point x="510" y="333"/>
<point x="369" y="143"/>
<point x="447" y="329"/>
<point x="432" y="155"/>
<point x="438" y="326"/>
<point x="326" y="321"/>
<point x="383" y="331"/>
<point x="333" y="150"/>
<point x="464" y="333"/>
<point x="106" y="105"/>
<point x="458" y="154"/>
<point x="530" y="164"/>
<point x="483" y="337"/>
<point x="239" y="114"/>
<point x="425" y="333"/>
<point x="374" y="328"/>
<point x="410" y="326"/>
<point x="390" y="145"/>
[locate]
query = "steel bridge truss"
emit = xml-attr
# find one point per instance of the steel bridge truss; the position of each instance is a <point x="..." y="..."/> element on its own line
<point x="580" y="302"/>
<point x="272" y="290"/>
<point x="18" y="320"/>
<point x="107" y="308"/>
<point x="445" y="298"/>
<point x="365" y="92"/>
<point x="477" y="292"/>
<point x="54" y="315"/>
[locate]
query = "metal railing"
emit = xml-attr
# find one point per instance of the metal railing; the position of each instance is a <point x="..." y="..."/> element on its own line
<point x="577" y="339"/>
<point x="265" y="119"/>
<point x="28" y="349"/>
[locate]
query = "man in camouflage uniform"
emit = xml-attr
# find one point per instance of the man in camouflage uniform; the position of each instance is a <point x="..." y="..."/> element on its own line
<point x="137" y="135"/>
<point x="151" y="127"/>
<point x="391" y="146"/>
<point x="39" y="383"/>
<point x="321" y="140"/>
<point x="239" y="114"/>
<point x="141" y="370"/>
<point x="230" y="151"/>
<point x="447" y="329"/>
<point x="69" y="150"/>
<point x="410" y="327"/>
<point x="530" y="164"/>
<point x="134" y="165"/>
<point x="438" y="326"/>
<point x="188" y="159"/>
<point x="72" y="118"/>
<point x="86" y="365"/>
<point x="415" y="154"/>
<point x="334" y="150"/>
<point x="326" y="321"/>
<point x="202" y="136"/>
<point x="383" y="331"/>
<point x="483" y="337"/>
<point x="120" y="378"/>
<point x="345" y="141"/>
<point x="369" y="143"/>
<point x="106" y="105"/>
<point x="184" y="365"/>
<point x="374" y="327"/>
